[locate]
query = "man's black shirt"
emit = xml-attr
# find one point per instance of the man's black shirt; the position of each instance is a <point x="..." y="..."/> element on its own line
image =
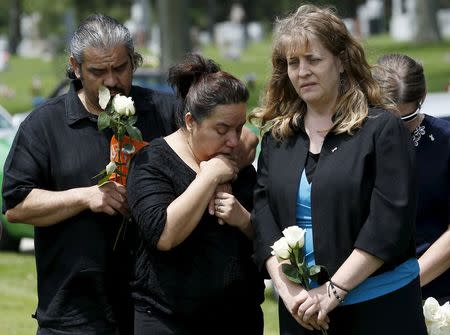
<point x="81" y="280"/>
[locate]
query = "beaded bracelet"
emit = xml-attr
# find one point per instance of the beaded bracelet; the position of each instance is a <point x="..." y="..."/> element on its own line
<point x="338" y="286"/>
<point x="333" y="289"/>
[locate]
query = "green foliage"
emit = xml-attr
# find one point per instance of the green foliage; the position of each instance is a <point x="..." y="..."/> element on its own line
<point x="270" y="310"/>
<point x="17" y="79"/>
<point x="103" y="121"/>
<point x="255" y="61"/>
<point x="201" y="12"/>
<point x="435" y="57"/>
<point x="133" y="132"/>
<point x="292" y="273"/>
<point x="18" y="298"/>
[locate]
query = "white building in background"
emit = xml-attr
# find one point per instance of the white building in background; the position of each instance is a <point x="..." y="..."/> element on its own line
<point x="370" y="17"/>
<point x="4" y="53"/>
<point x="402" y="24"/>
<point x="403" y="20"/>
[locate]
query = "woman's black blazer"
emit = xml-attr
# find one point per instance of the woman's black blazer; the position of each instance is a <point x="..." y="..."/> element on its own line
<point x="363" y="193"/>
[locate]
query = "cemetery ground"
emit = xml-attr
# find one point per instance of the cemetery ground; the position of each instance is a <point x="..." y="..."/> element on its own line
<point x="17" y="271"/>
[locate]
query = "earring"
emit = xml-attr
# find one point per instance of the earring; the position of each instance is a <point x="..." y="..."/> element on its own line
<point x="342" y="83"/>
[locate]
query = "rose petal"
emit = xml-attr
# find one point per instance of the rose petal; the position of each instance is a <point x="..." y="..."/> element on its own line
<point x="103" y="97"/>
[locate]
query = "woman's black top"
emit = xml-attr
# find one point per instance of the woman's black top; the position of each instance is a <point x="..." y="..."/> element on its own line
<point x="212" y="267"/>
<point x="432" y="143"/>
<point x="363" y="193"/>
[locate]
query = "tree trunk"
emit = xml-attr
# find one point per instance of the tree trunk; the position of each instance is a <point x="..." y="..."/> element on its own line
<point x="175" y="38"/>
<point x="427" y="25"/>
<point x="15" y="12"/>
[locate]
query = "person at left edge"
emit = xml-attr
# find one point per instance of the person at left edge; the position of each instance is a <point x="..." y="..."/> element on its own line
<point x="48" y="182"/>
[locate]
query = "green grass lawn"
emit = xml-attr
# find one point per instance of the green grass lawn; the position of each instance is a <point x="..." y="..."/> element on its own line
<point x="18" y="297"/>
<point x="255" y="61"/>
<point x="17" y="294"/>
<point x="18" y="78"/>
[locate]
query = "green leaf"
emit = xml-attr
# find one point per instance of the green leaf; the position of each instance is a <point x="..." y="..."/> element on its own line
<point x="131" y="120"/>
<point x="99" y="174"/>
<point x="291" y="273"/>
<point x="109" y="107"/>
<point x="103" y="121"/>
<point x="292" y="258"/>
<point x="103" y="181"/>
<point x="121" y="130"/>
<point x="134" y="133"/>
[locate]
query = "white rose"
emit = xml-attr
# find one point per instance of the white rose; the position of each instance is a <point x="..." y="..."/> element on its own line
<point x="445" y="330"/>
<point x="445" y="310"/>
<point x="103" y="96"/>
<point x="295" y="236"/>
<point x="111" y="167"/>
<point x="123" y="105"/>
<point x="431" y="310"/>
<point x="436" y="328"/>
<point x="281" y="249"/>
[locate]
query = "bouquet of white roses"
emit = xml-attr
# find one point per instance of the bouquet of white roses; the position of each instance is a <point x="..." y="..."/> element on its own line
<point x="119" y="115"/>
<point x="437" y="317"/>
<point x="290" y="247"/>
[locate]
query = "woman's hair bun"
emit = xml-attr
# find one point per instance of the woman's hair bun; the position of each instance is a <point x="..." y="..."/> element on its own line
<point x="189" y="71"/>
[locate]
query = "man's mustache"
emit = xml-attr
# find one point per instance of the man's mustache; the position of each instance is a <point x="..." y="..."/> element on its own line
<point x="116" y="90"/>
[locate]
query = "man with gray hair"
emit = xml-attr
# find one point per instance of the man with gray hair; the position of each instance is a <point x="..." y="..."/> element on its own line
<point x="83" y="282"/>
<point x="48" y="182"/>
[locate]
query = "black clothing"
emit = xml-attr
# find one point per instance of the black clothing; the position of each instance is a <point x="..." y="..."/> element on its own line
<point x="81" y="280"/>
<point x="363" y="193"/>
<point x="310" y="165"/>
<point x="399" y="312"/>
<point x="432" y="139"/>
<point x="235" y="319"/>
<point x="208" y="272"/>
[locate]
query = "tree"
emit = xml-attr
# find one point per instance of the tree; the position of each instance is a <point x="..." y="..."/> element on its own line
<point x="15" y="12"/>
<point x="427" y="26"/>
<point x="175" y="39"/>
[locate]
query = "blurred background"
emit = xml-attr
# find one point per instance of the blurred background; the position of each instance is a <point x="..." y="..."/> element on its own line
<point x="237" y="34"/>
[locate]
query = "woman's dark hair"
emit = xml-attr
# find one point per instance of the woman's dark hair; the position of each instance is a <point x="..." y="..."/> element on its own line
<point x="202" y="86"/>
<point x="401" y="78"/>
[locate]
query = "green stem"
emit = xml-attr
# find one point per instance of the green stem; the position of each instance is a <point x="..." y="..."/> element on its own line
<point x="122" y="227"/>
<point x="119" y="161"/>
<point x="124" y="219"/>
<point x="306" y="281"/>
